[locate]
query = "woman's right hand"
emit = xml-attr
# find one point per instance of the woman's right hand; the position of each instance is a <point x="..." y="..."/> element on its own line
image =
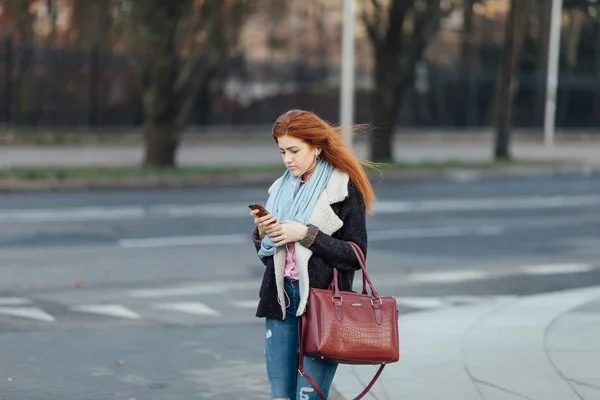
<point x="264" y="224"/>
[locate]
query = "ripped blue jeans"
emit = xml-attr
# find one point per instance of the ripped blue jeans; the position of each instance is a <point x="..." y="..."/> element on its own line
<point x="281" y="355"/>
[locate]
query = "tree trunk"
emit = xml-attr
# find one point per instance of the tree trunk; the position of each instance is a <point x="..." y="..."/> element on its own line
<point x="383" y="131"/>
<point x="92" y="21"/>
<point x="384" y="106"/>
<point x="467" y="61"/>
<point x="545" y="15"/>
<point x="161" y="133"/>
<point x="160" y="144"/>
<point x="514" y="33"/>
<point x="597" y="67"/>
<point x="572" y="39"/>
<point x="23" y="60"/>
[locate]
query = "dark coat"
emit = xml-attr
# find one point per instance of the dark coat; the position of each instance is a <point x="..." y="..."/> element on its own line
<point x="328" y="252"/>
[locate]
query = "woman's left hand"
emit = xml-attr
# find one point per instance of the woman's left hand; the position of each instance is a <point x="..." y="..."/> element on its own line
<point x="289" y="231"/>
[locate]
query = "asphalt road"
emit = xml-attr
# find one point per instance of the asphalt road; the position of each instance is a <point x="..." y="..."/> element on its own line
<point x="167" y="281"/>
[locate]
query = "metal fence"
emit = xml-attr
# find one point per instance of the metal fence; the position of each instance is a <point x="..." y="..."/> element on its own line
<point x="51" y="87"/>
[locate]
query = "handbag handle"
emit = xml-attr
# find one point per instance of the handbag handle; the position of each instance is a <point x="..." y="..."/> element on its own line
<point x="365" y="276"/>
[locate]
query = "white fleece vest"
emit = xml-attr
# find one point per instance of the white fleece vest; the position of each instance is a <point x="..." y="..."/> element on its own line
<point x="323" y="218"/>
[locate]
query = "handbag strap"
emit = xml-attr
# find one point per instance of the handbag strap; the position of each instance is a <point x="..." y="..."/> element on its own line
<point x="301" y="332"/>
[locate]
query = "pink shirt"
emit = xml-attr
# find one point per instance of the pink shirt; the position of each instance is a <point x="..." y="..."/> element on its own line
<point x="291" y="271"/>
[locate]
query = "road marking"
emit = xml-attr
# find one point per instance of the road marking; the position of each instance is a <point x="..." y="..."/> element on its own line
<point x="27" y="312"/>
<point x="245" y="303"/>
<point x="465" y="299"/>
<point x="227" y="210"/>
<point x="449" y="276"/>
<point x="430" y="302"/>
<point x="419" y="233"/>
<point x="240" y="210"/>
<point x="185" y="241"/>
<point x="195" y="308"/>
<point x="508" y="203"/>
<point x="72" y="214"/>
<point x="469" y="299"/>
<point x="175" y="291"/>
<point x="556" y="269"/>
<point x="420" y="302"/>
<point x="384" y="280"/>
<point x="13" y="301"/>
<point x="112" y="310"/>
<point x="504" y="297"/>
<point x="235" y="210"/>
<point x="193" y="289"/>
<point x="390" y="234"/>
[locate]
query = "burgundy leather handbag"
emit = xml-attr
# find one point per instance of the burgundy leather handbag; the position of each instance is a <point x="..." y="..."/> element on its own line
<point x="348" y="327"/>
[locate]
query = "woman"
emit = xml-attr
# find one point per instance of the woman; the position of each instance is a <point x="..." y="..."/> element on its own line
<point x="317" y="206"/>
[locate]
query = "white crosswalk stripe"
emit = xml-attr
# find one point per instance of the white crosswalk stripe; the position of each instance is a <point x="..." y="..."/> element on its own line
<point x="419" y="302"/>
<point x="110" y="310"/>
<point x="449" y="277"/>
<point x="552" y="269"/>
<point x="426" y="303"/>
<point x="196" y="308"/>
<point x="245" y="303"/>
<point x="13" y="301"/>
<point x="27" y="312"/>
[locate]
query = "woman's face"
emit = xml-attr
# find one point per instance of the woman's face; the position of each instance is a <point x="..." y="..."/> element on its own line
<point x="297" y="155"/>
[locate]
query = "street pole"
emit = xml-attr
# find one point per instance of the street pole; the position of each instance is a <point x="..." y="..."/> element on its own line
<point x="552" y="75"/>
<point x="347" y="80"/>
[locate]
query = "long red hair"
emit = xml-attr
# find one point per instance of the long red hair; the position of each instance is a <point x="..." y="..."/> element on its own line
<point x="308" y="127"/>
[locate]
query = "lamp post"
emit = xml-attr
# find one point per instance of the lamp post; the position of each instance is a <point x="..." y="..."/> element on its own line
<point x="552" y="75"/>
<point x="347" y="78"/>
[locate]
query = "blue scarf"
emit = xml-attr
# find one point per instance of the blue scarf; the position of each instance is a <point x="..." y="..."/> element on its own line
<point x="289" y="201"/>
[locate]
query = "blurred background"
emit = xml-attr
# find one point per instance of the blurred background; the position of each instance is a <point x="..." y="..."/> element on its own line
<point x="65" y="63"/>
<point x="134" y="133"/>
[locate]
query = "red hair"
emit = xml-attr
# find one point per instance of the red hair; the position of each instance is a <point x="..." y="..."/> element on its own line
<point x="308" y="127"/>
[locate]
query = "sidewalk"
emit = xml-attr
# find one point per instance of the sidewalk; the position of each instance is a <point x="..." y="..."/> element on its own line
<point x="568" y="156"/>
<point x="542" y="347"/>
<point x="428" y="148"/>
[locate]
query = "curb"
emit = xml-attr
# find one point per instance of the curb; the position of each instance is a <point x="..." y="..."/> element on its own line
<point x="266" y="178"/>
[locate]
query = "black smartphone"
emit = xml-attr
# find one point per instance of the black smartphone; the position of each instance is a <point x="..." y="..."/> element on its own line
<point x="261" y="210"/>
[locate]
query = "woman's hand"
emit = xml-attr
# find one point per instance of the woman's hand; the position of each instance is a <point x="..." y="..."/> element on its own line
<point x="263" y="223"/>
<point x="287" y="232"/>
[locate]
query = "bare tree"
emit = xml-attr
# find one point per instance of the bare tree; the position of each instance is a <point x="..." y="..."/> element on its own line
<point x="544" y="13"/>
<point x="23" y="36"/>
<point x="572" y="37"/>
<point x="177" y="47"/>
<point x="515" y="29"/>
<point x="468" y="59"/>
<point x="579" y="14"/>
<point x="91" y="19"/>
<point x="399" y="33"/>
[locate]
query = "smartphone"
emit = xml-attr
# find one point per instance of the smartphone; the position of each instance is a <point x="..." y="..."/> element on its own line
<point x="261" y="210"/>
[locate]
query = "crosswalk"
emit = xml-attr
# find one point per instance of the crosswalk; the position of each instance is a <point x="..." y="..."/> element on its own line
<point x="228" y="302"/>
<point x="188" y="311"/>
